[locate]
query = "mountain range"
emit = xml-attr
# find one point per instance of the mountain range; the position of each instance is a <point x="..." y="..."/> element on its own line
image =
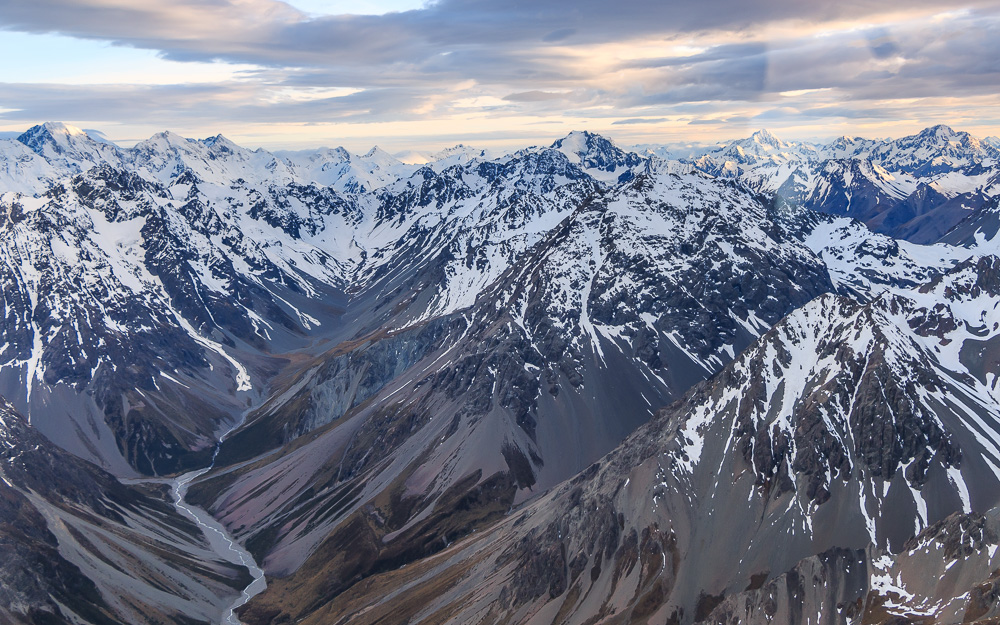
<point x="481" y="387"/>
<point x="915" y="188"/>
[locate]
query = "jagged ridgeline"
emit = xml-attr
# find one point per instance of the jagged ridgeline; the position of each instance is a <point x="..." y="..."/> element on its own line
<point x="792" y="413"/>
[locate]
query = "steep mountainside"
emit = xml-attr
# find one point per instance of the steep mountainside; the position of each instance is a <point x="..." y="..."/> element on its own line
<point x="978" y="230"/>
<point x="116" y="287"/>
<point x="639" y="293"/>
<point x="823" y="476"/>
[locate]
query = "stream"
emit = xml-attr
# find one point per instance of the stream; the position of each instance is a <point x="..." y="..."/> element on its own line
<point x="219" y="538"/>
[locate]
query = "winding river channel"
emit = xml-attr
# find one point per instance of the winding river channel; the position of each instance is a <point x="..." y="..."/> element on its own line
<point x="221" y="541"/>
<point x="218" y="536"/>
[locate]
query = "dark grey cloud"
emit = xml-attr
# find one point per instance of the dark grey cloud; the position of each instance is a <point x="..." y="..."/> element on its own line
<point x="530" y="55"/>
<point x="269" y="32"/>
<point x="181" y="106"/>
<point x="723" y="75"/>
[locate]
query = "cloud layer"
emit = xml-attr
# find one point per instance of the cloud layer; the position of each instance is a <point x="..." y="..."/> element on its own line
<point x="464" y="67"/>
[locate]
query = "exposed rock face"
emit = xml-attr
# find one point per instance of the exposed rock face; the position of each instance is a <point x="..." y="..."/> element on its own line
<point x="610" y="313"/>
<point x="823" y="588"/>
<point x="781" y="488"/>
<point x="978" y="227"/>
<point x="117" y="295"/>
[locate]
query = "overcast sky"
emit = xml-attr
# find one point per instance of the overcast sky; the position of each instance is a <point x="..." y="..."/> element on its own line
<point x="499" y="73"/>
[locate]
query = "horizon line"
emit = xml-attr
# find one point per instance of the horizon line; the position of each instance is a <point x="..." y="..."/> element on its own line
<point x="129" y="143"/>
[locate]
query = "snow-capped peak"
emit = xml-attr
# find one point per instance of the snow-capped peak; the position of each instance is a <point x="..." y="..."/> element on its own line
<point x="459" y="147"/>
<point x="939" y="131"/>
<point x="167" y="137"/>
<point x="56" y="133"/>
<point x="54" y="128"/>
<point x="380" y="156"/>
<point x="596" y="154"/>
<point x="221" y="142"/>
<point x="460" y="151"/>
<point x="764" y="137"/>
<point x="579" y="143"/>
<point x="413" y="157"/>
<point x="68" y="149"/>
